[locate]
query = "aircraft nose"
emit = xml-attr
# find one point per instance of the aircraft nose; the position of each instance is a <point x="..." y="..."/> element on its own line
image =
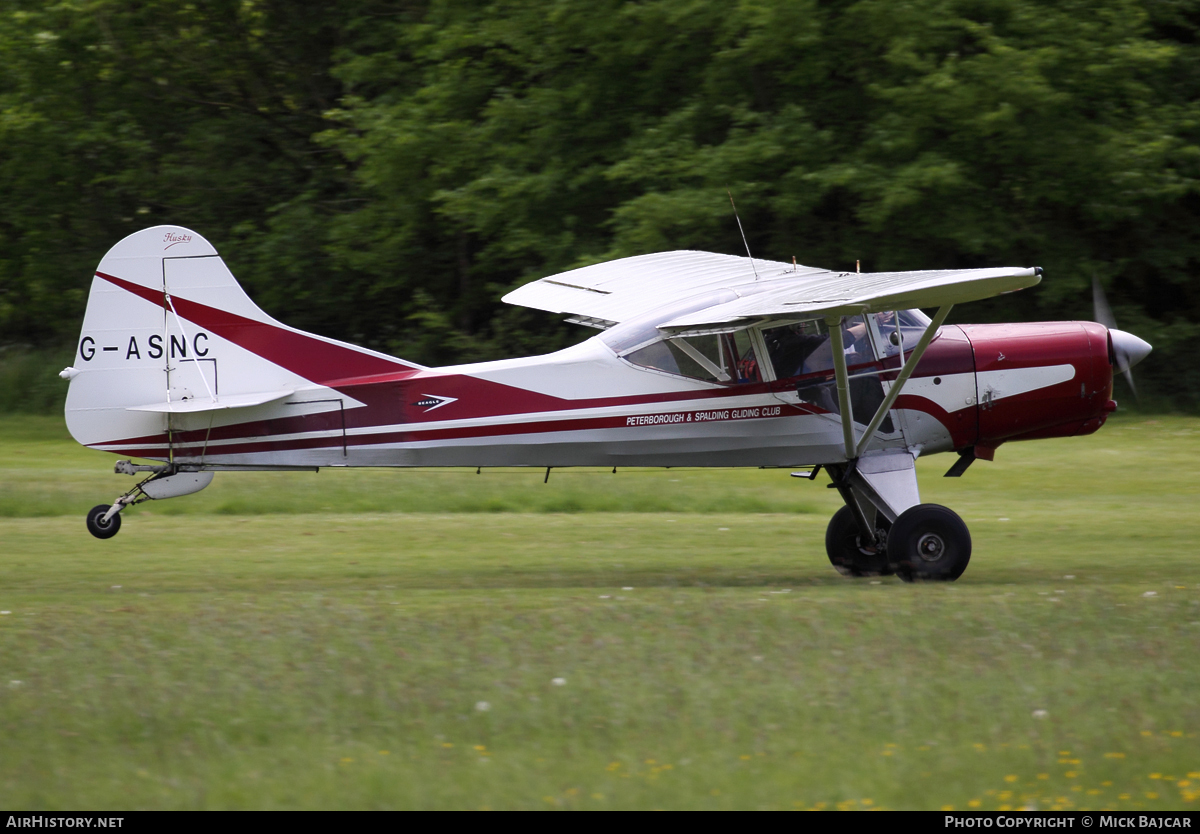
<point x="1128" y="349"/>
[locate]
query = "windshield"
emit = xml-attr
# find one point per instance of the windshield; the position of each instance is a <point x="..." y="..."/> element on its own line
<point x="900" y="326"/>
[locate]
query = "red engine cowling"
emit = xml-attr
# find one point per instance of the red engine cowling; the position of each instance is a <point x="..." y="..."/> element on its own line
<point x="1049" y="379"/>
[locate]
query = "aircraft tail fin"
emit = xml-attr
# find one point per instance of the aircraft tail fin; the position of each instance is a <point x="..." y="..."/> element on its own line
<point x="168" y="330"/>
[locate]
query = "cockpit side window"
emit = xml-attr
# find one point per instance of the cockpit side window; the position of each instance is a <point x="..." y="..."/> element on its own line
<point x="805" y="347"/>
<point x="802" y="357"/>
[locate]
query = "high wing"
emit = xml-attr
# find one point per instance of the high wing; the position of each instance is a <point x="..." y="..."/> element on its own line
<point x="612" y="292"/>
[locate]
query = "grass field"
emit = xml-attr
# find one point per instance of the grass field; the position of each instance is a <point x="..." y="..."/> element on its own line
<point x="658" y="639"/>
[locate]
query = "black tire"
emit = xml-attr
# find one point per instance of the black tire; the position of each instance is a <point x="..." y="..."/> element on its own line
<point x="929" y="542"/>
<point x="100" y="528"/>
<point x="847" y="555"/>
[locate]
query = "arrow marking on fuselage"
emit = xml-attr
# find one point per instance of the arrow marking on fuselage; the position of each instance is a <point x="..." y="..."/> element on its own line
<point x="431" y="401"/>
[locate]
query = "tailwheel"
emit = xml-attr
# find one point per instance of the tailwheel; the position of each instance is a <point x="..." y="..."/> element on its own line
<point x="929" y="542"/>
<point x="165" y="481"/>
<point x="847" y="553"/>
<point x="101" y="527"/>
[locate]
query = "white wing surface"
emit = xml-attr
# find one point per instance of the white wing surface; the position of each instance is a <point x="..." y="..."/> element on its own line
<point x="847" y="294"/>
<point x="618" y="290"/>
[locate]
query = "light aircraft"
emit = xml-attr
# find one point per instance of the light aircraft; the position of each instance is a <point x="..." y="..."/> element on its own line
<point x="702" y="360"/>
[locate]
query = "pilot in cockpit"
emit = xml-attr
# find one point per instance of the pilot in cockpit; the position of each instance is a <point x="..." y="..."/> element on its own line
<point x="805" y="347"/>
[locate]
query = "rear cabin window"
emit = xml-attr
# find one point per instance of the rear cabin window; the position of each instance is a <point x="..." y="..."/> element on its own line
<point x="726" y="358"/>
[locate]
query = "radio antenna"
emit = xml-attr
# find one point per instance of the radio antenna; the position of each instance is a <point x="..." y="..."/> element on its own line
<point x="743" y="231"/>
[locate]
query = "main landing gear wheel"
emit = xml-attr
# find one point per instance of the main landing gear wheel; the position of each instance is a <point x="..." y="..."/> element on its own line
<point x="100" y="528"/>
<point x="846" y="552"/>
<point x="929" y="542"/>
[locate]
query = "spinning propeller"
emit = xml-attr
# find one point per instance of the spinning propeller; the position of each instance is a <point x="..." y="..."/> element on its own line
<point x="1127" y="349"/>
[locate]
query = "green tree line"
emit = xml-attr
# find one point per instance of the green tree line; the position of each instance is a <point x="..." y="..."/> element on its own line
<point x="382" y="172"/>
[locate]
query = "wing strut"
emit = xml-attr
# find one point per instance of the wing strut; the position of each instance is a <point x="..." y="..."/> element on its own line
<point x="905" y="373"/>
<point x="853" y="451"/>
<point x="843" y="383"/>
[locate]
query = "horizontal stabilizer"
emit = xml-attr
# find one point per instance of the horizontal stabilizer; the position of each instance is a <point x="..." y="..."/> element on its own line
<point x="198" y="405"/>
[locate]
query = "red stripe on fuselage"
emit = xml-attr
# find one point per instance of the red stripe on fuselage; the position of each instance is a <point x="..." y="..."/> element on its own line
<point x="302" y="354"/>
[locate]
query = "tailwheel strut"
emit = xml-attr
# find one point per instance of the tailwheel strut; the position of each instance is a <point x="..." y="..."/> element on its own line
<point x="104" y="520"/>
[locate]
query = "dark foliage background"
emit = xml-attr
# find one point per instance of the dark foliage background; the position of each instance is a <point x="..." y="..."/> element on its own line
<point x="383" y="172"/>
